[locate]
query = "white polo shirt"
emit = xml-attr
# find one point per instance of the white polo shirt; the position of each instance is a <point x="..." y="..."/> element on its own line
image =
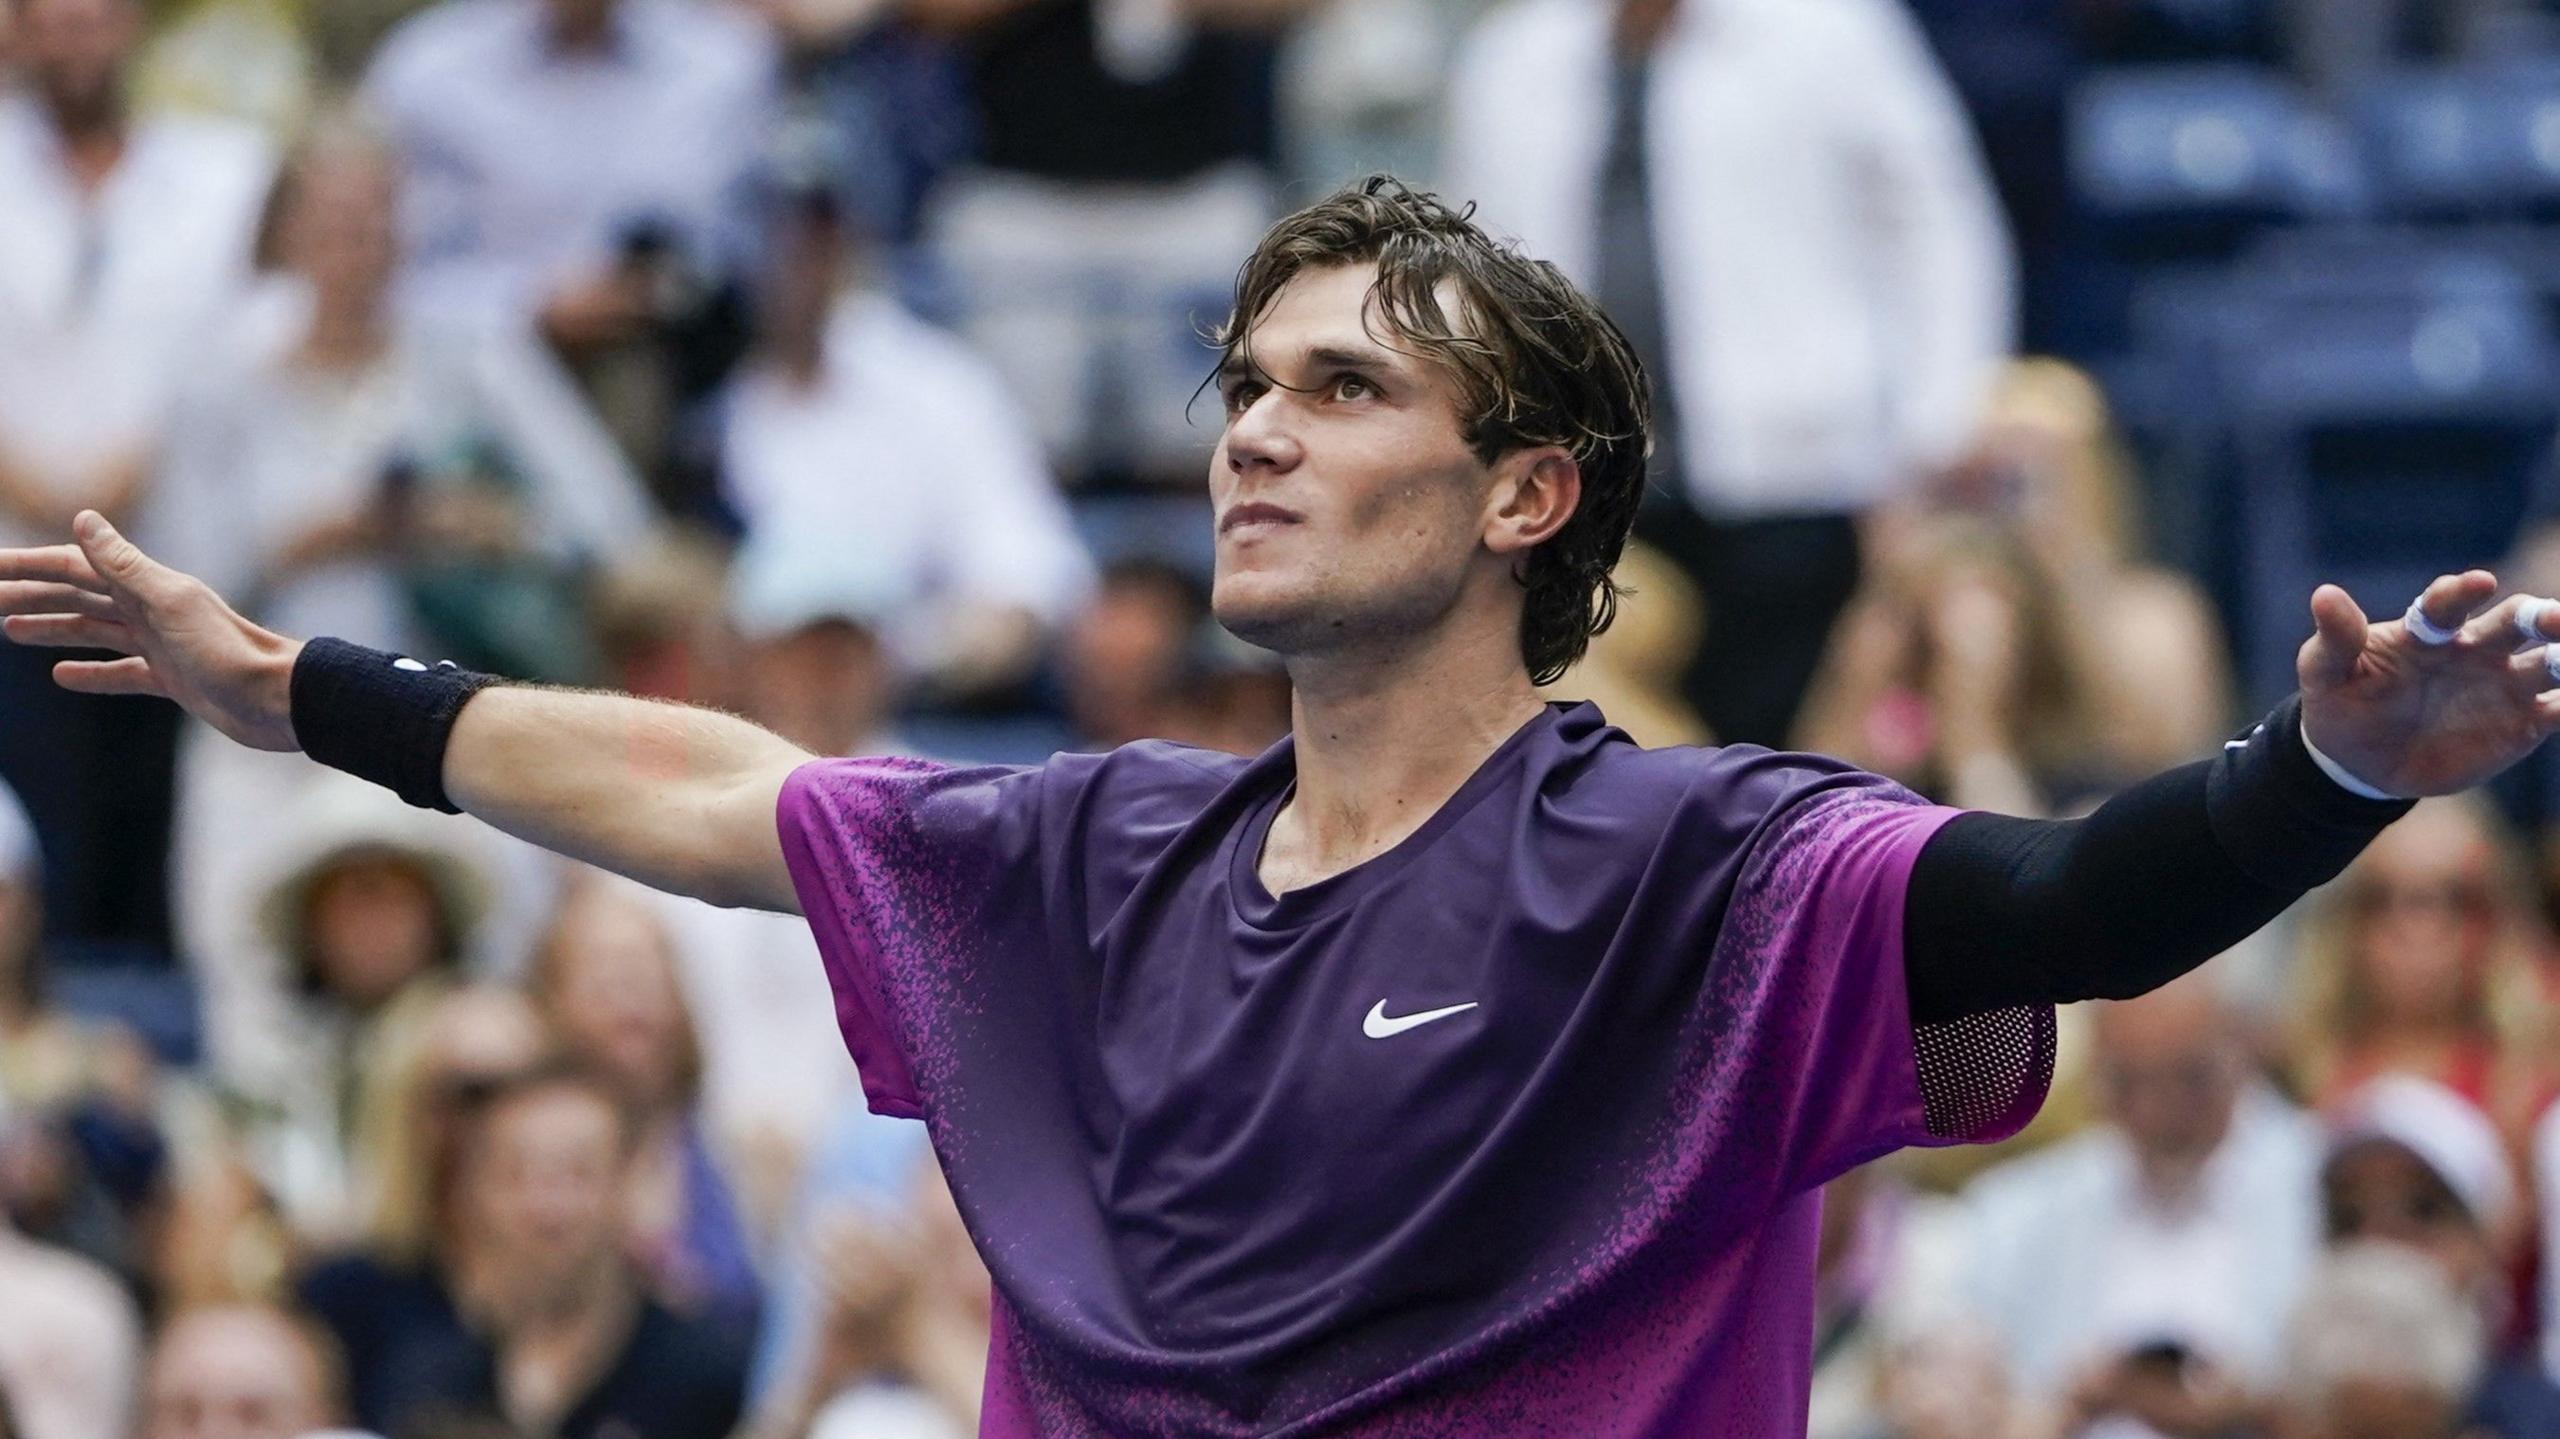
<point x="105" y="296"/>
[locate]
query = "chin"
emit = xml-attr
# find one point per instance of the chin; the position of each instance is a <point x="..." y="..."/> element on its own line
<point x="1268" y="615"/>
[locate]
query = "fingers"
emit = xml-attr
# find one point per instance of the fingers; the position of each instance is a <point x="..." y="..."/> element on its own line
<point x="128" y="676"/>
<point x="2515" y="620"/>
<point x="119" y="563"/>
<point x="52" y="564"/>
<point x="74" y="632"/>
<point x="37" y="597"/>
<point x="2453" y="599"/>
<point x="2338" y="636"/>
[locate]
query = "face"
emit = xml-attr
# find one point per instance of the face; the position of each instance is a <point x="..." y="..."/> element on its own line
<point x="373" y="925"/>
<point x="74" y="52"/>
<point x="614" y="996"/>
<point x="2169" y="1068"/>
<point x="543" y="1184"/>
<point x="233" y="1374"/>
<point x="2424" y="921"/>
<point x="340" y="227"/>
<point x="826" y="687"/>
<point x="2378" y="1190"/>
<point x="1351" y="514"/>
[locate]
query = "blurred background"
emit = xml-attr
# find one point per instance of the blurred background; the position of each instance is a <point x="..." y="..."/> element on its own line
<point x="2023" y="364"/>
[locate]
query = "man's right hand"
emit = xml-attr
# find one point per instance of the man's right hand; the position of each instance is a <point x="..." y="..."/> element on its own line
<point x="174" y="636"/>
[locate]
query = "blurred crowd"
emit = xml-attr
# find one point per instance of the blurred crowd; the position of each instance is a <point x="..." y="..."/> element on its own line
<point x="833" y="362"/>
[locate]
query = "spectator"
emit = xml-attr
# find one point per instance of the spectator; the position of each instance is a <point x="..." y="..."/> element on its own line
<point x="2175" y="1236"/>
<point x="579" y="164"/>
<point x="952" y="497"/>
<point x="124" y="235"/>
<point x="899" y="1350"/>
<point x="811" y="607"/>
<point x="1123" y="654"/>
<point x="1125" y="161"/>
<point x="1781" y="204"/>
<point x="84" y="1155"/>
<point x="69" y="1343"/>
<point x="2412" y="1163"/>
<point x="606" y="979"/>
<point x="390" y="1302"/>
<point x="2546" y="1184"/>
<point x="2417" y="962"/>
<point x="361" y="471"/>
<point x="238" y="1372"/>
<point x="2382" y="1348"/>
<point x="661" y="621"/>
<point x="1949" y="672"/>
<point x="1634" y="668"/>
<point x="2138" y="641"/>
<point x="372" y="910"/>
<point x="577" y="1349"/>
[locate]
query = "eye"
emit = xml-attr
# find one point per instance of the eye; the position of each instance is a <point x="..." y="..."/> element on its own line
<point x="1241" y="394"/>
<point x="1353" y="387"/>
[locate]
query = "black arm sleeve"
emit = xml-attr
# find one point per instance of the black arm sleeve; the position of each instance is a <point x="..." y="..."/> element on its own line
<point x="2158" y="880"/>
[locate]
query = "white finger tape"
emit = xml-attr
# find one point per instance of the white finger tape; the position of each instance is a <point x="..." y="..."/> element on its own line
<point x="2551" y="662"/>
<point x="2529" y="617"/>
<point x="2425" y="631"/>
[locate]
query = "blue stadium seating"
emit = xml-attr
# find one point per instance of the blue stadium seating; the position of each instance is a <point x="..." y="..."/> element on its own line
<point x="2187" y="157"/>
<point x="2464" y="141"/>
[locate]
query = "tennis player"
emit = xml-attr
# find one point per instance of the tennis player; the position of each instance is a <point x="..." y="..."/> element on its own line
<point x="1456" y="1067"/>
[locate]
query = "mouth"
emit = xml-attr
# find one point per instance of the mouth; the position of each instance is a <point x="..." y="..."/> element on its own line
<point x="1255" y="515"/>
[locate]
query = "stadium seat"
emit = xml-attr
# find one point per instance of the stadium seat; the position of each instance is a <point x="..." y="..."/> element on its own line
<point x="2478" y="141"/>
<point x="2184" y="161"/>
<point x="2386" y="429"/>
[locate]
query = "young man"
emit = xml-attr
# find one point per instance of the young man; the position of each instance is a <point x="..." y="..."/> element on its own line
<point x="1454" y="1067"/>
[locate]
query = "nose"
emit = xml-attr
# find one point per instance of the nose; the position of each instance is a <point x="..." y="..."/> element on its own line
<point x="1263" y="437"/>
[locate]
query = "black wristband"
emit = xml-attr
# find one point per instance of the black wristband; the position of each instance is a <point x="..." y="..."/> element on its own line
<point x="2279" y="816"/>
<point x="381" y="717"/>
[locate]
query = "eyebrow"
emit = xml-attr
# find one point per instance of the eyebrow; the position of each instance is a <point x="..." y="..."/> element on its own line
<point x="1368" y="361"/>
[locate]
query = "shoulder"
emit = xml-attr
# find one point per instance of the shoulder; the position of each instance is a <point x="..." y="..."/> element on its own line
<point x="1741" y="789"/>
<point x="1146" y="783"/>
<point x="1858" y="32"/>
<point x="73" y="1295"/>
<point x="892" y="346"/>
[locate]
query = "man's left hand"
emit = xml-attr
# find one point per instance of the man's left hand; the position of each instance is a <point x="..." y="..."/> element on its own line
<point x="2416" y="719"/>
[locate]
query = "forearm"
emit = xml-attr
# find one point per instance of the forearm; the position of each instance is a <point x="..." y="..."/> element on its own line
<point x="2158" y="880"/>
<point x="679" y="798"/>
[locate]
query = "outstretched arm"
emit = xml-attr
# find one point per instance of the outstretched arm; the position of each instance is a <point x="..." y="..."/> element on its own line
<point x="676" y="797"/>
<point x="2173" y="871"/>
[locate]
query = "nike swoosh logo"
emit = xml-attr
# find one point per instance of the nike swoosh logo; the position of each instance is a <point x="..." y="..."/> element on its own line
<point x="1379" y="1026"/>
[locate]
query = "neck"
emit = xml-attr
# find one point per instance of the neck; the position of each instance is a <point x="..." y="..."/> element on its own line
<point x="1383" y="739"/>
<point x="343" y="334"/>
<point x="92" y="138"/>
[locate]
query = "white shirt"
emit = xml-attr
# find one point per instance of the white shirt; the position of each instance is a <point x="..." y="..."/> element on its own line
<point x="909" y="446"/>
<point x="2070" y="1261"/>
<point x="1837" y="283"/>
<point x="70" y="1343"/>
<point x="104" y="295"/>
<point x="264" y="448"/>
<point x="526" y="165"/>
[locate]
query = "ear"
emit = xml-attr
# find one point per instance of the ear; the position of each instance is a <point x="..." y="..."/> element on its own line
<point x="1534" y="493"/>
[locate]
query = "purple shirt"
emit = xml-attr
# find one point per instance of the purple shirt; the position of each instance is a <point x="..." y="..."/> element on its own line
<point x="1214" y="1205"/>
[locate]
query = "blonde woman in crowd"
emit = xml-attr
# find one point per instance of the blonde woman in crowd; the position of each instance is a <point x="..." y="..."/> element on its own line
<point x="393" y="1301"/>
<point x="605" y="977"/>
<point x="2419" y="961"/>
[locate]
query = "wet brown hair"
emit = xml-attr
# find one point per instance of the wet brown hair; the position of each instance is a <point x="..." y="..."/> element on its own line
<point x="1534" y="360"/>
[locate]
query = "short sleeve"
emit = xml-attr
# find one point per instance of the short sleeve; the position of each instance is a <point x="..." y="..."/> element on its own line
<point x="901" y="865"/>
<point x="1811" y="953"/>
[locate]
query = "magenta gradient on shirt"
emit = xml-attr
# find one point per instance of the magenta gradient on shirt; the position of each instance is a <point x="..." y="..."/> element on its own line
<point x="1583" y="1206"/>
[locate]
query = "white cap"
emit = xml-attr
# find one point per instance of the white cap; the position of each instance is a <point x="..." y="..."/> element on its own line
<point x="2446" y="1132"/>
<point x="787" y="579"/>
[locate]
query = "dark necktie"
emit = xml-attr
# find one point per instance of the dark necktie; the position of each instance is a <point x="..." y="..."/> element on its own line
<point x="1629" y="280"/>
